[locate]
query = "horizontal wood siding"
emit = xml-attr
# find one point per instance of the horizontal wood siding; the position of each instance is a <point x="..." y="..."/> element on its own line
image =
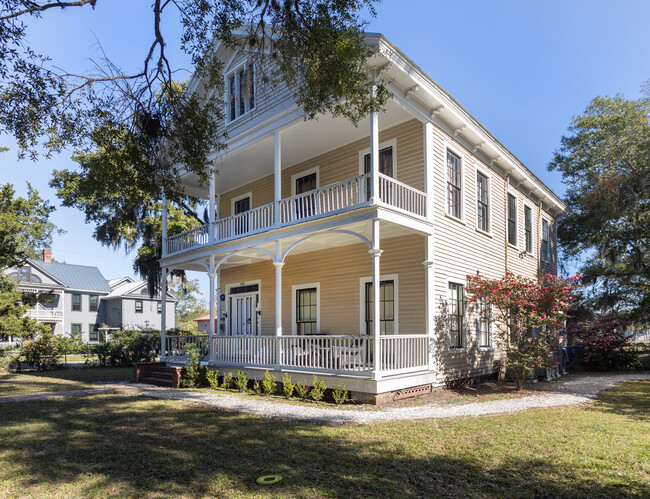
<point x="461" y="249"/>
<point x="339" y="270"/>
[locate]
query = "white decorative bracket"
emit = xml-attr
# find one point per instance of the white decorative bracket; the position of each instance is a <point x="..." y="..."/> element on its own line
<point x="459" y="129"/>
<point x="411" y="91"/>
<point x="435" y="112"/>
<point x="478" y="146"/>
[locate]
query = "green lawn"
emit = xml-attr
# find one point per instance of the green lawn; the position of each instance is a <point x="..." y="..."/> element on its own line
<point x="60" y="380"/>
<point x="114" y="445"/>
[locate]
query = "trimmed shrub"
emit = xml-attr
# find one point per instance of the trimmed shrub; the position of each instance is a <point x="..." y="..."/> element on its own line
<point x="340" y="394"/>
<point x="318" y="390"/>
<point x="301" y="390"/>
<point x="268" y="383"/>
<point x="241" y="382"/>
<point x="287" y="386"/>
<point x="212" y="377"/>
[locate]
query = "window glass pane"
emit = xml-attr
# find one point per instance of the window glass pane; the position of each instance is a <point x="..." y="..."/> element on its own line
<point x="482" y="201"/>
<point x="453" y="185"/>
<point x="242" y="92"/>
<point x="306" y="311"/>
<point x="512" y="219"/>
<point x="251" y="87"/>
<point x="76" y="302"/>
<point x="138" y="306"/>
<point x="456" y="312"/>
<point x="93" y="303"/>
<point x="386" y="307"/>
<point x="231" y="92"/>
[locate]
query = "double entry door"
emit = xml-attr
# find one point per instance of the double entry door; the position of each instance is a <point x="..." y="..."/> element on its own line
<point x="244" y="305"/>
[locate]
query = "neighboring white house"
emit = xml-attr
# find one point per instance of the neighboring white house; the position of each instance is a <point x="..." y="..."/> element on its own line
<point x="343" y="250"/>
<point x="82" y="300"/>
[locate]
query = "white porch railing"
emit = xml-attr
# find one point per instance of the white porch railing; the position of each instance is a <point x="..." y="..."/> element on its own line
<point x="328" y="200"/>
<point x="244" y="350"/>
<point x="176" y="347"/>
<point x="402" y="196"/>
<point x="188" y="239"/>
<point x="44" y="313"/>
<point x="404" y="353"/>
<point x="243" y="224"/>
<point x="325" y="200"/>
<point x="336" y="354"/>
<point x="324" y="354"/>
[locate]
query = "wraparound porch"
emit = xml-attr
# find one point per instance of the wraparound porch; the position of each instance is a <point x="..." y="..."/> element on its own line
<point x="349" y="356"/>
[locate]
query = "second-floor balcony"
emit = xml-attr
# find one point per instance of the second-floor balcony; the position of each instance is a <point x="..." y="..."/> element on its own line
<point x="325" y="201"/>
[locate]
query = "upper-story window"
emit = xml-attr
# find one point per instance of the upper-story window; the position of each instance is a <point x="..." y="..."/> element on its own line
<point x="76" y="302"/>
<point x="512" y="220"/>
<point x="482" y="202"/>
<point x="240" y="88"/>
<point x="138" y="306"/>
<point x="528" y="228"/>
<point x="454" y="185"/>
<point x="545" y="245"/>
<point x="93" y="301"/>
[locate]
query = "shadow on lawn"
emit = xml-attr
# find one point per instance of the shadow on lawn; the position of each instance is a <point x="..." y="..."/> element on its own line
<point x="116" y="445"/>
<point x="631" y="399"/>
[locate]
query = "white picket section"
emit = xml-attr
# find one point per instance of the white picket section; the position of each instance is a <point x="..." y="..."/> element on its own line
<point x="244" y="350"/>
<point x="402" y="196"/>
<point x="325" y="200"/>
<point x="337" y="354"/>
<point x="188" y="239"/>
<point x="404" y="353"/>
<point x="250" y="222"/>
<point x="176" y="346"/>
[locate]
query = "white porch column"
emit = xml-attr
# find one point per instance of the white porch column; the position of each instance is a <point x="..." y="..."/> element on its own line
<point x="376" y="288"/>
<point x="212" y="201"/>
<point x="428" y="169"/>
<point x="163" y="201"/>
<point x="212" y="276"/>
<point x="163" y="314"/>
<point x="278" y="311"/>
<point x="430" y="305"/>
<point x="218" y="305"/>
<point x="374" y="153"/>
<point x="277" y="175"/>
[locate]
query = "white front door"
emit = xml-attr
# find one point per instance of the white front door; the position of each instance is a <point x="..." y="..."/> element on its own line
<point x="243" y="314"/>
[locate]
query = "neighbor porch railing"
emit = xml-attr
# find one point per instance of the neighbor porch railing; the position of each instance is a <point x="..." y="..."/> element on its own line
<point x="326" y="354"/>
<point x="328" y="200"/>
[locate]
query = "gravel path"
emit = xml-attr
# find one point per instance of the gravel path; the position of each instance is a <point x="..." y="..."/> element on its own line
<point x="573" y="391"/>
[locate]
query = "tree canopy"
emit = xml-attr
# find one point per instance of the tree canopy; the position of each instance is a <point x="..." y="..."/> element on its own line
<point x="25" y="228"/>
<point x="605" y="164"/>
<point x="133" y="132"/>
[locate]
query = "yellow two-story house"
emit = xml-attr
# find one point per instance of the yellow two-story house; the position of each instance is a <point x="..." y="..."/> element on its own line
<point x="343" y="250"/>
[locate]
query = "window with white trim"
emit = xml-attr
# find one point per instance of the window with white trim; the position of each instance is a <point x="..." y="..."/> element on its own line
<point x="546" y="243"/>
<point x="512" y="220"/>
<point x="528" y="228"/>
<point x="386" y="307"/>
<point x="483" y="322"/>
<point x="482" y="202"/>
<point x="240" y="91"/>
<point x="306" y="310"/>
<point x="138" y="306"/>
<point x="456" y="313"/>
<point x="454" y="185"/>
<point x="92" y="332"/>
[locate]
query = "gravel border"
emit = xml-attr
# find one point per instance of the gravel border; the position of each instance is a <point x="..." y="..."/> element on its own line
<point x="573" y="391"/>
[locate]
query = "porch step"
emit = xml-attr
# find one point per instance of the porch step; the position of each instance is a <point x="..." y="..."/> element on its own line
<point x="157" y="374"/>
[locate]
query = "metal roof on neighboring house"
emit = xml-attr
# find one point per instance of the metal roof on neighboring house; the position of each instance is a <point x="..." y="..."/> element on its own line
<point x="78" y="277"/>
<point x="126" y="286"/>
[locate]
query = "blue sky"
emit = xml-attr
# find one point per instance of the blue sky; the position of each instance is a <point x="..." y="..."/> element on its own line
<point x="523" y="69"/>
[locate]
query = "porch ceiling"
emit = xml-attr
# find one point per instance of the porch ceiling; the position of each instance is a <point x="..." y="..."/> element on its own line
<point x="301" y="141"/>
<point x="317" y="241"/>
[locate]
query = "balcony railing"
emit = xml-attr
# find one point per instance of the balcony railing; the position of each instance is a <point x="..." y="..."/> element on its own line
<point x="324" y="201"/>
<point x="352" y="355"/>
<point x="45" y="314"/>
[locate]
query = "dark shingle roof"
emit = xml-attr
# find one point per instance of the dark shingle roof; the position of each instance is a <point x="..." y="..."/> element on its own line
<point x="75" y="276"/>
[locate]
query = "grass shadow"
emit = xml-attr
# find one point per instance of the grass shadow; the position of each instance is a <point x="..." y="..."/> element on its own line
<point x="127" y="446"/>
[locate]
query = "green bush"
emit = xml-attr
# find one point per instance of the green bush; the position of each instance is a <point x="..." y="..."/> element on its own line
<point x="257" y="387"/>
<point x="301" y="390"/>
<point x="287" y="386"/>
<point x="340" y="394"/>
<point x="212" y="377"/>
<point x="318" y="390"/>
<point x="268" y="383"/>
<point x="126" y="347"/>
<point x="241" y="382"/>
<point x="227" y="382"/>
<point x="192" y="372"/>
<point x="42" y="352"/>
